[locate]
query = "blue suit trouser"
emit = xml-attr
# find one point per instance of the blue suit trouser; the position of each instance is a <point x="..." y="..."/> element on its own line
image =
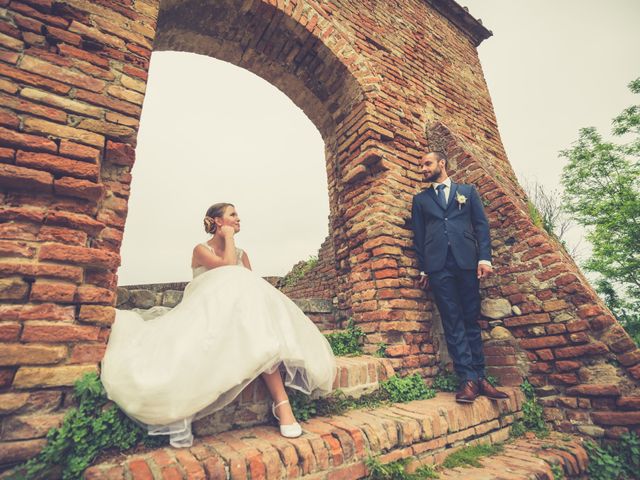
<point x="457" y="295"/>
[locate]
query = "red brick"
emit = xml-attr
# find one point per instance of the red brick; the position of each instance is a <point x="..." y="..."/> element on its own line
<point x="563" y="378"/>
<point x="629" y="403"/>
<point x="92" y="294"/>
<point x="61" y="74"/>
<point x="587" y="311"/>
<point x="567" y="365"/>
<point x="20" y="105"/>
<point x="9" y="332"/>
<point x="630" y="358"/>
<point x="33" y="79"/>
<point x="594" y="348"/>
<point x="616" y="418"/>
<point x="56" y="333"/>
<point x="98" y="315"/>
<point x="87" y="353"/>
<point x="58" y="165"/>
<point x="15" y="177"/>
<point x="542" y="342"/>
<point x="601" y="322"/>
<point x="76" y="150"/>
<point x="62" y="235"/>
<point x="139" y="469"/>
<point x="577" y="325"/>
<point x="46" y="311"/>
<point x="52" y="292"/>
<point x="20" y="354"/>
<point x="532" y="319"/>
<point x="13" y="289"/>
<point x="120" y="153"/>
<point x="74" y="221"/>
<point x="74" y="187"/>
<point x="16" y="249"/>
<point x="9" y="119"/>
<point x="594" y="390"/>
<point x="109" y="102"/>
<point x="190" y="465"/>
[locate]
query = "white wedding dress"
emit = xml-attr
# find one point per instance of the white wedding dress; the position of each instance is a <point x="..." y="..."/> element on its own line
<point x="230" y="327"/>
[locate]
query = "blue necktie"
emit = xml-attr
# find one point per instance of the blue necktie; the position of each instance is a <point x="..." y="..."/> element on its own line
<point x="441" y="197"/>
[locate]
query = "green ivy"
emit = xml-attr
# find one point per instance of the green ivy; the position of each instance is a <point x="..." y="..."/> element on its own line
<point x="557" y="471"/>
<point x="94" y="426"/>
<point x="347" y="342"/>
<point x="446" y="382"/>
<point x="381" y="351"/>
<point x="406" y="389"/>
<point x="298" y="272"/>
<point x="397" y="470"/>
<point x="617" y="461"/>
<point x="532" y="414"/>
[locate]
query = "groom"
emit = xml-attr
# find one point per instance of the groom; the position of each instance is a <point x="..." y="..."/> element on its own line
<point x="451" y="237"/>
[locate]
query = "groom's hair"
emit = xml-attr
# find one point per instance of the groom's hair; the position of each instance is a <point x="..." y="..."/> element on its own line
<point x="440" y="155"/>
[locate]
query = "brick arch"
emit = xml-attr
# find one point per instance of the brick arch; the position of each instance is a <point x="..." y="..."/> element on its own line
<point x="296" y="49"/>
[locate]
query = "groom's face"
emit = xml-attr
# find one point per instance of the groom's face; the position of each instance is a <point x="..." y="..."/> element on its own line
<point x="432" y="167"/>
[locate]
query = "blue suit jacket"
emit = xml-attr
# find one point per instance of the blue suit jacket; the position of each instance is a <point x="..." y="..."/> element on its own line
<point x="463" y="227"/>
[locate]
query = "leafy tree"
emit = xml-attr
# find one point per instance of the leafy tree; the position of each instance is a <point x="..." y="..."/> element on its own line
<point x="547" y="212"/>
<point x="602" y="193"/>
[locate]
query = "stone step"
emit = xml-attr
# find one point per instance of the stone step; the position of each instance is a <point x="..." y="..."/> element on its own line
<point x="334" y="448"/>
<point x="355" y="377"/>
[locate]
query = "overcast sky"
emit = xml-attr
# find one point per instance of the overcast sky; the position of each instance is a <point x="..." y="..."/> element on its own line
<point x="213" y="132"/>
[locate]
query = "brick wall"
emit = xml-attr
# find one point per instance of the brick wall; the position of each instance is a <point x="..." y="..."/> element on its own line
<point x="318" y="282"/>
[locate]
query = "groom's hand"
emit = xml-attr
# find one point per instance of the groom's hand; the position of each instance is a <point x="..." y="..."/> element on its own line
<point x="484" y="270"/>
<point x="423" y="282"/>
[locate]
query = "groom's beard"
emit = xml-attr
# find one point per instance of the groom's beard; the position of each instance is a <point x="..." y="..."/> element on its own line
<point x="434" y="176"/>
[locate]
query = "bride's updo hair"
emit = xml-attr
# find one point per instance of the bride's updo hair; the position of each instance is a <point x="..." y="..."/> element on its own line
<point x="214" y="211"/>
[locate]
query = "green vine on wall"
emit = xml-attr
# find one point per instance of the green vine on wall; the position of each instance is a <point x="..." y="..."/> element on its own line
<point x="347" y="342"/>
<point x="532" y="415"/>
<point x="298" y="272"/>
<point x="93" y="427"/>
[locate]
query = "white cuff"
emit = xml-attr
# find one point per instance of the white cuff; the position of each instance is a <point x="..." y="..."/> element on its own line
<point x="485" y="262"/>
<point x="422" y="274"/>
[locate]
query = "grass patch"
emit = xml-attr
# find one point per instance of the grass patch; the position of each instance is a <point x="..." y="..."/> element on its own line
<point x="469" y="456"/>
<point x="397" y="470"/>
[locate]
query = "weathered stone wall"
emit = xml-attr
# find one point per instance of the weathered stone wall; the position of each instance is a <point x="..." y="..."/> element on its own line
<point x="371" y="75"/>
<point x="144" y="297"/>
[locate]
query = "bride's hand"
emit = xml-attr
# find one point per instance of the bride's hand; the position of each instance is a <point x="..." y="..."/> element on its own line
<point x="227" y="231"/>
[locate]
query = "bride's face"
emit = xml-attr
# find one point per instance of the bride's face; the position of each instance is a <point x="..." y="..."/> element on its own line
<point x="231" y="218"/>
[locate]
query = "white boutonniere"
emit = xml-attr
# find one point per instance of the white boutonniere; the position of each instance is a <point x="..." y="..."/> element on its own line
<point x="461" y="199"/>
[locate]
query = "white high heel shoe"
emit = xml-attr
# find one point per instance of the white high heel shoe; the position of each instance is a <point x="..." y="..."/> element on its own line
<point x="292" y="430"/>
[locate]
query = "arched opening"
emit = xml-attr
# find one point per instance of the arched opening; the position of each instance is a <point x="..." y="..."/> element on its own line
<point x="210" y="132"/>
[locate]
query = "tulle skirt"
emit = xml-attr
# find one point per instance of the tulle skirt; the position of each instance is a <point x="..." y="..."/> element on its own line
<point x="230" y="327"/>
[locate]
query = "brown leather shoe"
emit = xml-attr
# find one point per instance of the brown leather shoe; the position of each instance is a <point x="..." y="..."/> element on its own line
<point x="488" y="390"/>
<point x="467" y="392"/>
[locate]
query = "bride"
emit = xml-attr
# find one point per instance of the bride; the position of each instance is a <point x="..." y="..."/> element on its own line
<point x="230" y="327"/>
